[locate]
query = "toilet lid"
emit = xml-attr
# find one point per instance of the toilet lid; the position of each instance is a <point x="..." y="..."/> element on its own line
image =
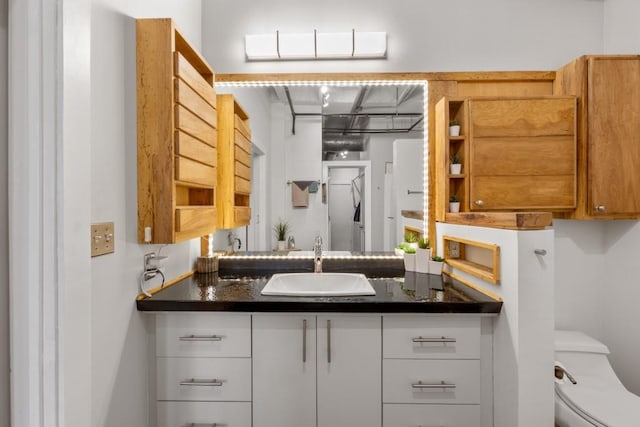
<point x="601" y="403"/>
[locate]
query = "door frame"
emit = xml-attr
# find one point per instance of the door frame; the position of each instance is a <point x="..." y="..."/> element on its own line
<point x="361" y="164"/>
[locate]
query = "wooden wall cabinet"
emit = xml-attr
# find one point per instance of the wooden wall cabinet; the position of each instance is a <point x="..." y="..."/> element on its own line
<point x="177" y="120"/>
<point x="518" y="154"/>
<point x="608" y="92"/>
<point x="234" y="164"/>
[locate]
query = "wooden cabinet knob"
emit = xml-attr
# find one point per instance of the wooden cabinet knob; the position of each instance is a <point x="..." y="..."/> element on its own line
<point x="600" y="208"/>
<point x="479" y="202"/>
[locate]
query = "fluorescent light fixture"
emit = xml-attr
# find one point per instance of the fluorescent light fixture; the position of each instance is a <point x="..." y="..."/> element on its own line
<point x="315" y="45"/>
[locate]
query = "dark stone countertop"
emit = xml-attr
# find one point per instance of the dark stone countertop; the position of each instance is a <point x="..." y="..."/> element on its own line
<point x="411" y="293"/>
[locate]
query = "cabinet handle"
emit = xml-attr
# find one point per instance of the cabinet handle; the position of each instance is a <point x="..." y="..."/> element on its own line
<point x="441" y="384"/>
<point x="600" y="208"/>
<point x="204" y="425"/>
<point x="441" y="339"/>
<point x="202" y="383"/>
<point x="328" y="341"/>
<point x="540" y="251"/>
<point x="200" y="338"/>
<point x="304" y="340"/>
<point x="479" y="202"/>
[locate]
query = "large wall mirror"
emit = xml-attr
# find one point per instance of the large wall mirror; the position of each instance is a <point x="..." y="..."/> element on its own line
<point x="336" y="159"/>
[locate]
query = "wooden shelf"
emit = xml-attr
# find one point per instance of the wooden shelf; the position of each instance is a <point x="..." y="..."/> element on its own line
<point x="475" y="269"/>
<point x="479" y="259"/>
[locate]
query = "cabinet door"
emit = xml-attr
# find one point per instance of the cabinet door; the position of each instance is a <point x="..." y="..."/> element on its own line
<point x="349" y="372"/>
<point x="284" y="370"/>
<point x="614" y="135"/>
<point x="523" y="153"/>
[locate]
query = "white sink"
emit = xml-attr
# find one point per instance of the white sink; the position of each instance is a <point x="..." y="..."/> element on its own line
<point x="311" y="254"/>
<point x="318" y="284"/>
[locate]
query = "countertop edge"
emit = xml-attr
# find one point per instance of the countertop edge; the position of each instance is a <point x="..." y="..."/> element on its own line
<point x="488" y="307"/>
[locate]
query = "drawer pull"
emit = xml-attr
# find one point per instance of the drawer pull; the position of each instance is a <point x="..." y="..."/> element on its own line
<point x="202" y="383"/>
<point x="204" y="425"/>
<point x="441" y="339"/>
<point x="441" y="384"/>
<point x="201" y="338"/>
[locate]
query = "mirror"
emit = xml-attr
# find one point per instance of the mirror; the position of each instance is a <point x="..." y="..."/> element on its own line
<point x="339" y="160"/>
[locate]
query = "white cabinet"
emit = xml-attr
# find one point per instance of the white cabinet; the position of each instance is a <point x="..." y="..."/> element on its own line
<point x="203" y="366"/>
<point x="316" y="370"/>
<point x="431" y="371"/>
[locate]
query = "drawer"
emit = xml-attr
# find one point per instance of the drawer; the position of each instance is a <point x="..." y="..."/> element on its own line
<point x="204" y="378"/>
<point x="431" y="381"/>
<point x="227" y="414"/>
<point x="203" y="335"/>
<point x="398" y="415"/>
<point x="418" y="337"/>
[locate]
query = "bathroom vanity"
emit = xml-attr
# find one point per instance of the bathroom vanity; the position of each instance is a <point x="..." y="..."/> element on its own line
<point x="419" y="352"/>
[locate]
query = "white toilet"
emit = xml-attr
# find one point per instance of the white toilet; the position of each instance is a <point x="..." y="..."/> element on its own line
<point x="597" y="398"/>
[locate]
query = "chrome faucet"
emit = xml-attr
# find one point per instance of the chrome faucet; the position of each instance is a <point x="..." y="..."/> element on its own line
<point x="317" y="257"/>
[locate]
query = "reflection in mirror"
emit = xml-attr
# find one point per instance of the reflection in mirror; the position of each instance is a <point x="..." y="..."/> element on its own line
<point x="336" y="160"/>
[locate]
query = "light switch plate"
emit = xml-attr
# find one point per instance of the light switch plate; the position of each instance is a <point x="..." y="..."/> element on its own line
<point x="103" y="238"/>
<point x="454" y="249"/>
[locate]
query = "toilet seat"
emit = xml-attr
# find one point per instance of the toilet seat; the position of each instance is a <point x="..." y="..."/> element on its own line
<point x="618" y="408"/>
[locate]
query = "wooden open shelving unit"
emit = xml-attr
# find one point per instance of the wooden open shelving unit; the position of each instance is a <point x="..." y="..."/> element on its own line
<point x="234" y="160"/>
<point x="177" y="136"/>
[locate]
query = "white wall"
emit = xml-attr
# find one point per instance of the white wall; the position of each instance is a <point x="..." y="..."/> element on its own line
<point x="296" y="158"/>
<point x="119" y="350"/>
<point x="4" y="226"/>
<point x="618" y="293"/>
<point x="407" y="176"/>
<point x="621" y="31"/>
<point x="455" y="35"/>
<point x="579" y="274"/>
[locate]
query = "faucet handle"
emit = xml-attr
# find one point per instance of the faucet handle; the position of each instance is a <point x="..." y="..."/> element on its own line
<point x="319" y="240"/>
